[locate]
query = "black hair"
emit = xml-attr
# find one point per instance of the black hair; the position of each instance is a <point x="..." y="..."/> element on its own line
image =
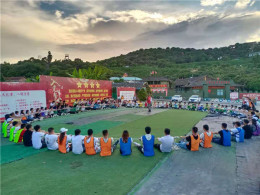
<point x="246" y="121"/>
<point x="77" y="131"/>
<point x="105" y="132"/>
<point x="15" y="123"/>
<point x="195" y="129"/>
<point x="148" y="130"/>
<point x="37" y="127"/>
<point x="16" y="112"/>
<point x="90" y="132"/>
<point x="7" y="116"/>
<point x="31" y="109"/>
<point x="206" y="127"/>
<point x="224" y="125"/>
<point x="237" y="123"/>
<point x="23" y="125"/>
<point x="167" y="131"/>
<point x="22" y="112"/>
<point x="253" y="113"/>
<point x="50" y="129"/>
<point x="28" y="126"/>
<point x="11" y="114"/>
<point x="26" y="111"/>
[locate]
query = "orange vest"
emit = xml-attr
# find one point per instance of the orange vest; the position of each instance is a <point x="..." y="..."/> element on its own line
<point x="105" y="147"/>
<point x="89" y="147"/>
<point x="194" y="143"/>
<point x="207" y="140"/>
<point x="62" y="145"/>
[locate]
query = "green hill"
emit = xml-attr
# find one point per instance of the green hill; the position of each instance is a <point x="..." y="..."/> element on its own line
<point x="232" y="62"/>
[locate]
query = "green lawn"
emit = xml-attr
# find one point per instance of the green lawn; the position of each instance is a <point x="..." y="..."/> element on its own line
<point x="50" y="172"/>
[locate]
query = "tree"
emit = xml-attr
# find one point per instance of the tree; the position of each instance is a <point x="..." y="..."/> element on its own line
<point x="49" y="59"/>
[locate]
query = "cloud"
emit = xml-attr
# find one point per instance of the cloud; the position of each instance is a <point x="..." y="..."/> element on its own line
<point x="212" y="2"/>
<point x="241" y="4"/>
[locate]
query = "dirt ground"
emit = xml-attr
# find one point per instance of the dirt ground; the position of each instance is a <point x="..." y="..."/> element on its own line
<point x="219" y="170"/>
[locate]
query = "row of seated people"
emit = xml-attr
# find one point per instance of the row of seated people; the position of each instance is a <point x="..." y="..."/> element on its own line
<point x="77" y="143"/>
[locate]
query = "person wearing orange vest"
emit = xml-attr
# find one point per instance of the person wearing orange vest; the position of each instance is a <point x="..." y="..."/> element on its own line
<point x="206" y="137"/>
<point x="106" y="144"/>
<point x="193" y="141"/>
<point x="63" y="141"/>
<point x="90" y="144"/>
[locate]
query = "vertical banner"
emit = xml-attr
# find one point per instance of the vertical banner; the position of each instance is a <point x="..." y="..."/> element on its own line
<point x="126" y="93"/>
<point x="70" y="89"/>
<point x="234" y="96"/>
<point x="12" y="101"/>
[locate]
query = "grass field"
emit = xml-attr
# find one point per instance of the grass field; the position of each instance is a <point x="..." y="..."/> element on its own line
<point x="50" y="172"/>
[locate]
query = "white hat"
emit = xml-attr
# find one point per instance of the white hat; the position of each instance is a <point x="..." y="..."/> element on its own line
<point x="9" y="119"/>
<point x="62" y="130"/>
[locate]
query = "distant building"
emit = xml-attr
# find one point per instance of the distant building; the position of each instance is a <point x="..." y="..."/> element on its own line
<point x="206" y="87"/>
<point x="15" y="79"/>
<point x="254" y="54"/>
<point x="159" y="85"/>
<point x="126" y="79"/>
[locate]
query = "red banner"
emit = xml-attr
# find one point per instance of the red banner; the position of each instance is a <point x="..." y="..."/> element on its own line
<point x="153" y="86"/>
<point x="252" y="96"/>
<point x="70" y="89"/>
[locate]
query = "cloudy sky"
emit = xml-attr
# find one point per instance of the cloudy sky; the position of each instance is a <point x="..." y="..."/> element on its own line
<point x="95" y="30"/>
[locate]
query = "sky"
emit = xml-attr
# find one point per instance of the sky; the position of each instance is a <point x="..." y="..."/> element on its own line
<point x="96" y="30"/>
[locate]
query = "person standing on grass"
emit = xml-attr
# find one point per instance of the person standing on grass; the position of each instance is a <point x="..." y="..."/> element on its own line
<point x="206" y="137"/>
<point x="149" y="103"/>
<point x="166" y="142"/>
<point x="125" y="144"/>
<point x="106" y="144"/>
<point x="38" y="141"/>
<point x="77" y="142"/>
<point x="19" y="134"/>
<point x="193" y="141"/>
<point x="237" y="134"/>
<point x="27" y="136"/>
<point x="148" y="143"/>
<point x="225" y="136"/>
<point x="51" y="139"/>
<point x="63" y="141"/>
<point x="90" y="144"/>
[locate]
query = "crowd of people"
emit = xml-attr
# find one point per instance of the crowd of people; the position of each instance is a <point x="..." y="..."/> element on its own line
<point x="19" y="132"/>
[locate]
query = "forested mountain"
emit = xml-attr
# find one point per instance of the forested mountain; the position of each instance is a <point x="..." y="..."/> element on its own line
<point x="236" y="62"/>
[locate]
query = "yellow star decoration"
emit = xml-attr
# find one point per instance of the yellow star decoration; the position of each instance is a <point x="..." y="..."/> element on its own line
<point x="79" y="84"/>
<point x="98" y="85"/>
<point x="92" y="85"/>
<point x="86" y="85"/>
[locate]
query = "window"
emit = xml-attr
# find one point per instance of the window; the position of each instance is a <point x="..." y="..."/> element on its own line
<point x="220" y="92"/>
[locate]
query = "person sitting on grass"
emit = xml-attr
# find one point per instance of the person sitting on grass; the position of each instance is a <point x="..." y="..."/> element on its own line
<point x="248" y="129"/>
<point x="91" y="144"/>
<point x="237" y="134"/>
<point x="51" y="139"/>
<point x="225" y="136"/>
<point x="193" y="141"/>
<point x="63" y="141"/>
<point x="148" y="143"/>
<point x="27" y="136"/>
<point x="206" y="137"/>
<point x="106" y="144"/>
<point x="38" y="141"/>
<point x="19" y="134"/>
<point x="13" y="130"/>
<point x="166" y="142"/>
<point x="77" y="142"/>
<point x="125" y="144"/>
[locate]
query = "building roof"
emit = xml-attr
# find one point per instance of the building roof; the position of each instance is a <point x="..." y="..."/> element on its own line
<point x="155" y="78"/>
<point x="15" y="79"/>
<point x="199" y="81"/>
<point x="137" y="85"/>
<point x="125" y="78"/>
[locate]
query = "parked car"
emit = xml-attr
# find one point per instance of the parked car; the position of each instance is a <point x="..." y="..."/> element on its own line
<point x="177" y="98"/>
<point x="194" y="98"/>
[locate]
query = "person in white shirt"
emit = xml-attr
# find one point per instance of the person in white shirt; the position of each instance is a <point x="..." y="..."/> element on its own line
<point x="38" y="141"/>
<point x="51" y="139"/>
<point x="77" y="141"/>
<point x="166" y="142"/>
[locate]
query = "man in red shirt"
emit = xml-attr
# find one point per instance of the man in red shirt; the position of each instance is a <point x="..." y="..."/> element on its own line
<point x="149" y="103"/>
